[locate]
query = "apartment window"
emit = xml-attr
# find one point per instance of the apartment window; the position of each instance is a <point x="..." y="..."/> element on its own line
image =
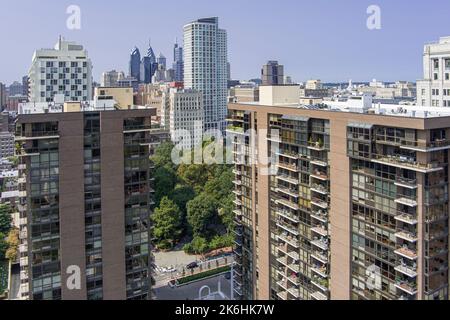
<point x="435" y="77"/>
<point x="447" y="76"/>
<point x="423" y="92"/>
<point x="447" y="64"/>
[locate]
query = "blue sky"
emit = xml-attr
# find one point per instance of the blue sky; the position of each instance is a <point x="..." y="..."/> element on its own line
<point x="326" y="39"/>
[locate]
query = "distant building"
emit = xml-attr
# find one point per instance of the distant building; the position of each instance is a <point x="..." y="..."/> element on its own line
<point x="205" y="68"/>
<point x="110" y="78"/>
<point x="123" y="96"/>
<point x="135" y="64"/>
<point x="2" y="96"/>
<point x="65" y="70"/>
<point x="434" y="89"/>
<point x="178" y="64"/>
<point x="161" y="60"/>
<point x="129" y="82"/>
<point x="6" y="137"/>
<point x="12" y="102"/>
<point x="25" y="86"/>
<point x="244" y="93"/>
<point x="272" y="74"/>
<point x="186" y="117"/>
<point x="15" y="89"/>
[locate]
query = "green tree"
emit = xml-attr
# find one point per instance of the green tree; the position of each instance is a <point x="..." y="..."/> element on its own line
<point x="181" y="195"/>
<point x="199" y="245"/>
<point x="5" y="218"/>
<point x="201" y="214"/>
<point x="194" y="175"/>
<point x="13" y="244"/>
<point x="3" y="246"/>
<point x="167" y="223"/>
<point x="163" y="155"/>
<point x="165" y="181"/>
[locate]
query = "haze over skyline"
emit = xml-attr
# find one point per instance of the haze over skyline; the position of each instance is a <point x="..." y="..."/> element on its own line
<point x="332" y="45"/>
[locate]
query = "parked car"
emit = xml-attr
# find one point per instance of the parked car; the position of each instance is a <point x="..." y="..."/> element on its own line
<point x="228" y="275"/>
<point x="192" y="265"/>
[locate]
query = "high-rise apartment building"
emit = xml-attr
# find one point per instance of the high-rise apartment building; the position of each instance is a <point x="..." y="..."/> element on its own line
<point x="272" y="74"/>
<point x="205" y="68"/>
<point x="356" y="206"/>
<point x="110" y="78"/>
<point x="178" y="64"/>
<point x="434" y="88"/>
<point x="66" y="70"/>
<point x="186" y="117"/>
<point x="15" y="89"/>
<point x="85" y="182"/>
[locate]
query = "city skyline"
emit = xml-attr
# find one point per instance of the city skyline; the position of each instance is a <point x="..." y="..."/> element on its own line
<point x="350" y="51"/>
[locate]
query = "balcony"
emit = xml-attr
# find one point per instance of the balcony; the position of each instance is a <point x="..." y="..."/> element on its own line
<point x="316" y="146"/>
<point x="237" y="193"/>
<point x="319" y="203"/>
<point x="287" y="178"/>
<point x="406" y="183"/>
<point x="36" y="135"/>
<point x="319" y="189"/>
<point x="319" y="256"/>
<point x="237" y="172"/>
<point x="287" y="154"/>
<point x="237" y="182"/>
<point x="406" y="218"/>
<point x="289" y="240"/>
<point x="23" y="261"/>
<point x="408" y="287"/>
<point x="237" y="202"/>
<point x="319" y="162"/>
<point x="287" y="227"/>
<point x="320" y="283"/>
<point x="319" y="296"/>
<point x="290" y="266"/>
<point x="320" y="270"/>
<point x="406" y="253"/>
<point x="287" y="203"/>
<point x="290" y="192"/>
<point x="235" y="129"/>
<point x="287" y="166"/>
<point x="320" y="215"/>
<point x="283" y="295"/>
<point x="321" y="244"/>
<point x="410" y="271"/>
<point x="288" y="215"/>
<point x="283" y="249"/>
<point x="320" y="231"/>
<point x="407" y="163"/>
<point x="407" y="236"/>
<point x="407" y="202"/>
<point x="437" y="145"/>
<point x="319" y="175"/>
<point x="237" y="212"/>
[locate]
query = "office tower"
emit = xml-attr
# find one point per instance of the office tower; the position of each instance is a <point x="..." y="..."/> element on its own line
<point x="161" y="60"/>
<point x="85" y="182"/>
<point x="434" y="89"/>
<point x="356" y="207"/>
<point x="146" y="70"/>
<point x="66" y="70"/>
<point x="2" y="96"/>
<point x="25" y="86"/>
<point x="178" y="64"/>
<point x="15" y="89"/>
<point x="129" y="82"/>
<point x="110" y="78"/>
<point x="272" y="74"/>
<point x="205" y="68"/>
<point x="135" y="64"/>
<point x="186" y="118"/>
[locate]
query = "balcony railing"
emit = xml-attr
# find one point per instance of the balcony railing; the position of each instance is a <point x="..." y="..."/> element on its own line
<point x="406" y="252"/>
<point x="405" y="162"/>
<point x="408" y="287"/>
<point x="407" y="218"/>
<point x="406" y="235"/>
